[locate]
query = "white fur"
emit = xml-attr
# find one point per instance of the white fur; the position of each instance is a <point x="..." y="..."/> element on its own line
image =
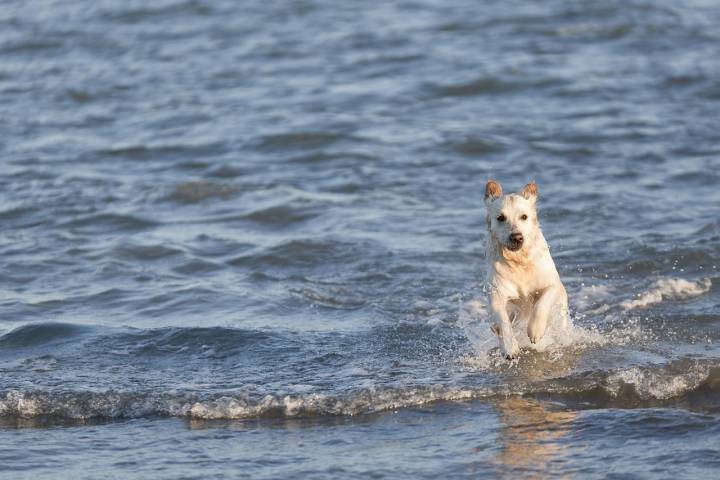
<point x="524" y="282"/>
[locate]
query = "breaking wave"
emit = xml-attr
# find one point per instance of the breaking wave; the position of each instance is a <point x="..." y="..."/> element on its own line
<point x="668" y="289"/>
<point x="679" y="382"/>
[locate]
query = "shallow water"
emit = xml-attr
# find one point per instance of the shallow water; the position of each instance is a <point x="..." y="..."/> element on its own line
<point x="246" y="238"/>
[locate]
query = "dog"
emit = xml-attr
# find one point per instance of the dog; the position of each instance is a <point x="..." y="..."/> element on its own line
<point x="522" y="278"/>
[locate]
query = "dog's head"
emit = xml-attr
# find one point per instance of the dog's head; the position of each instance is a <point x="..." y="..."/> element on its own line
<point x="511" y="219"/>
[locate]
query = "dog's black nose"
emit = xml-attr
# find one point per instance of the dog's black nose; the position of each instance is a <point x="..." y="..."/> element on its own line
<point x="516" y="237"/>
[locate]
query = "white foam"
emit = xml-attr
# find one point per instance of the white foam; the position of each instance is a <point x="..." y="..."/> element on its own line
<point x="659" y="385"/>
<point x="650" y="383"/>
<point x="668" y="289"/>
<point x="83" y="406"/>
<point x="362" y="402"/>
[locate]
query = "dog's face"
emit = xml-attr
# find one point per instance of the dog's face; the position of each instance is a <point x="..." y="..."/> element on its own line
<point x="511" y="219"/>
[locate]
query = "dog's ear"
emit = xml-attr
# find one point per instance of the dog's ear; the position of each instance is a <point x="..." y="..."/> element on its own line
<point x="493" y="191"/>
<point x="530" y="192"/>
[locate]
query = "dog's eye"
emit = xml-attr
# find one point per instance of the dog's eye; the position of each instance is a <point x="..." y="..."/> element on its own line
<point x="523" y="217"/>
<point x="501" y="218"/>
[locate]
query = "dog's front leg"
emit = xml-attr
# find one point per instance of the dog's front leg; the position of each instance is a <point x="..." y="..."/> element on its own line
<point x="549" y="298"/>
<point x="508" y="344"/>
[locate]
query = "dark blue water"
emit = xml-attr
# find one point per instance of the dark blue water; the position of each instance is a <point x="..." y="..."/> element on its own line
<point x="246" y="239"/>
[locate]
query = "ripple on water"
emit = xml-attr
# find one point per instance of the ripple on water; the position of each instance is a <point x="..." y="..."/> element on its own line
<point x="283" y="215"/>
<point x="197" y="266"/>
<point x="307" y="140"/>
<point x="137" y="252"/>
<point x="171" y="152"/>
<point x="196" y="192"/>
<point x="495" y="86"/>
<point x="319" y="252"/>
<point x="99" y="223"/>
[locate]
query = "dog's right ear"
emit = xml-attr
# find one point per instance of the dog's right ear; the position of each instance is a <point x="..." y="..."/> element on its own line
<point x="493" y="191"/>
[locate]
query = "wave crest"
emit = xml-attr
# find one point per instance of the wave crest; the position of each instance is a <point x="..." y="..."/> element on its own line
<point x="677" y="383"/>
<point x="668" y="289"/>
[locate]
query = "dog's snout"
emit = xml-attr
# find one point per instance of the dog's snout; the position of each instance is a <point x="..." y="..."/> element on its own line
<point x="515" y="241"/>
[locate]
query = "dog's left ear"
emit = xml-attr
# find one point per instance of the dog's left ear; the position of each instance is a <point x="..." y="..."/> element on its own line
<point x="530" y="192"/>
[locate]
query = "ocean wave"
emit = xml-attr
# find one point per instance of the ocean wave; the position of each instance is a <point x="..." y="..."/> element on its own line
<point x="678" y="383"/>
<point x="600" y="299"/>
<point x="137" y="341"/>
<point x="209" y="341"/>
<point x="668" y="289"/>
<point x="35" y="334"/>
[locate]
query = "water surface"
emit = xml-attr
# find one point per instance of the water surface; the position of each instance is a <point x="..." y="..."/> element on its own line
<point x="246" y="238"/>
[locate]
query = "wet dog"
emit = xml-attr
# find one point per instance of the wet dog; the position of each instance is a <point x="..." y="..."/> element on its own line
<point x="523" y="281"/>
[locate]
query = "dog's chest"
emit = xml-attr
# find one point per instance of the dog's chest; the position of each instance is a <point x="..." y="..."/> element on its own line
<point x="522" y="282"/>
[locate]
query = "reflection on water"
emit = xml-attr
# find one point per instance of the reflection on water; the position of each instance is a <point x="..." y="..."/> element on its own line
<point x="532" y="439"/>
<point x="49" y="421"/>
<point x="282" y="423"/>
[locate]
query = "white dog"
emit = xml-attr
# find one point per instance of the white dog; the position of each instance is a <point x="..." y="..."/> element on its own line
<point x="522" y="277"/>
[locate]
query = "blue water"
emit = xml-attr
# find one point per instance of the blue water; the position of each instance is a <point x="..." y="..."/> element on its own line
<point x="246" y="239"/>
